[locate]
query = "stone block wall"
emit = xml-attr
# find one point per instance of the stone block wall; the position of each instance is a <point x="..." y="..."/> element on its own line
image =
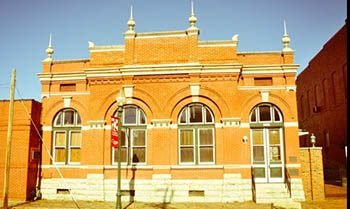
<point x="161" y="188"/>
<point x="312" y="173"/>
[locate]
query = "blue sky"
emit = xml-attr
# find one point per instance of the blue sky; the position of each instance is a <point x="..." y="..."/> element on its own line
<point x="25" y="26"/>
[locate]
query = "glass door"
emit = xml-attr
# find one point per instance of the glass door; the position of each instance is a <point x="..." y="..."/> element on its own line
<point x="267" y="154"/>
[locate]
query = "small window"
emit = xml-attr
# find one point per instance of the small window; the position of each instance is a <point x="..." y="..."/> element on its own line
<point x="263" y="81"/>
<point x="134" y="116"/>
<point x="130" y="115"/>
<point x="253" y="116"/>
<point x="196" y="114"/>
<point x="208" y="117"/>
<point x="67" y="87"/>
<point x="265" y="113"/>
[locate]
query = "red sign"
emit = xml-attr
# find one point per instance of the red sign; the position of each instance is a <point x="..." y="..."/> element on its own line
<point x="114" y="131"/>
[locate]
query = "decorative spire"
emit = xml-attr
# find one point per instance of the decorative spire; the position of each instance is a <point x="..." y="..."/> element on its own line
<point x="286" y="39"/>
<point x="131" y="22"/>
<point x="49" y="50"/>
<point x="192" y="18"/>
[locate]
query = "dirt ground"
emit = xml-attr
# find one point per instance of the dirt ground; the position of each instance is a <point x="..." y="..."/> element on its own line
<point x="336" y="198"/>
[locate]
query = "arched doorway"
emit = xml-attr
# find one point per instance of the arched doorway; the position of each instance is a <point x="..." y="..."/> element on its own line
<point x="267" y="143"/>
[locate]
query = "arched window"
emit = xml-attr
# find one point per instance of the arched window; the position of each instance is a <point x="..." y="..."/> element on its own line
<point x="196" y="135"/>
<point x="265" y="113"/>
<point x="133" y="140"/>
<point x="67" y="137"/>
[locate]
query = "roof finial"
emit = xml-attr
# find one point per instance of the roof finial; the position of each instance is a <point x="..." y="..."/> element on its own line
<point x="192" y="18"/>
<point x="131" y="22"/>
<point x="49" y="50"/>
<point x="286" y="39"/>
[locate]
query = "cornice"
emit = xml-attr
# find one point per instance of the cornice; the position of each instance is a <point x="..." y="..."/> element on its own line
<point x="223" y="43"/>
<point x="119" y="48"/>
<point x="66" y="61"/>
<point x="163" y="34"/>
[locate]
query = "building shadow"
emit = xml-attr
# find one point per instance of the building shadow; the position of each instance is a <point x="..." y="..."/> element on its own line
<point x="131" y="191"/>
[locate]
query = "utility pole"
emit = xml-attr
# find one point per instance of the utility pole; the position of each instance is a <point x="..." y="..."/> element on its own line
<point x="9" y="136"/>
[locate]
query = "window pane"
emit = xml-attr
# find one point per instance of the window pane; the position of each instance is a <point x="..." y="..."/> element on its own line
<point x="264" y="111"/>
<point x="206" y="154"/>
<point x="275" y="154"/>
<point x="276" y="172"/>
<point x="259" y="172"/>
<point x="186" y="154"/>
<point x="68" y="117"/>
<point x="122" y="139"/>
<point x="258" y="154"/>
<point x="277" y="116"/>
<point x="206" y="136"/>
<point x="183" y="116"/>
<point x="123" y="155"/>
<point x="130" y="115"/>
<point x="186" y="137"/>
<point x="196" y="115"/>
<point x="78" y="119"/>
<point x="139" y="155"/>
<point x="75" y="155"/>
<point x="209" y="119"/>
<point x="142" y="118"/>
<point x="75" y="139"/>
<point x="60" y="139"/>
<point x="274" y="136"/>
<point x="58" y="121"/>
<point x="60" y="155"/>
<point x="253" y="116"/>
<point x="139" y="137"/>
<point x="258" y="137"/>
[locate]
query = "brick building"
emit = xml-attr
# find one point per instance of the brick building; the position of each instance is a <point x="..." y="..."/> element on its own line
<point x="200" y="119"/>
<point x="322" y="102"/>
<point x="25" y="147"/>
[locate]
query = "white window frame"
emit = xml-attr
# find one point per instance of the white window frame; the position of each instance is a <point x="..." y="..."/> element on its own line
<point x="199" y="146"/>
<point x="54" y="147"/>
<point x="115" y="150"/>
<point x="132" y="146"/>
<point x="69" y="146"/>
<point x="193" y="146"/>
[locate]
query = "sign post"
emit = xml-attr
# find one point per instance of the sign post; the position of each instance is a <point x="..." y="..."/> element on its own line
<point x="116" y="130"/>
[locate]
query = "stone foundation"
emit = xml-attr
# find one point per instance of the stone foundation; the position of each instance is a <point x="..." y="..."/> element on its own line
<point x="161" y="188"/>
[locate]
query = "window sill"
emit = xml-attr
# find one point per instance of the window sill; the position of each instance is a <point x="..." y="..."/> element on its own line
<point x="196" y="166"/>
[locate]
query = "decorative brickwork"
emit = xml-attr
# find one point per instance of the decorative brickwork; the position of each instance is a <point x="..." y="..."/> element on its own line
<point x="312" y="173"/>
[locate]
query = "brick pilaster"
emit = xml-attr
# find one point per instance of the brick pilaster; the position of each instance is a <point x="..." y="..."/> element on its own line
<point x="312" y="173"/>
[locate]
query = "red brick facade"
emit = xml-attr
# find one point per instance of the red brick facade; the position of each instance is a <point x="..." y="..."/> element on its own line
<point x="163" y="75"/>
<point x="322" y="101"/>
<point x="25" y="141"/>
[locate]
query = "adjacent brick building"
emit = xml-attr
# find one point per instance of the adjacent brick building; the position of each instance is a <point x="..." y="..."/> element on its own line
<point x="322" y="103"/>
<point x="199" y="117"/>
<point x="25" y="149"/>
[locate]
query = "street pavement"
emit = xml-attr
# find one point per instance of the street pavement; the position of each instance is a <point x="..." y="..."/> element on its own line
<point x="336" y="198"/>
